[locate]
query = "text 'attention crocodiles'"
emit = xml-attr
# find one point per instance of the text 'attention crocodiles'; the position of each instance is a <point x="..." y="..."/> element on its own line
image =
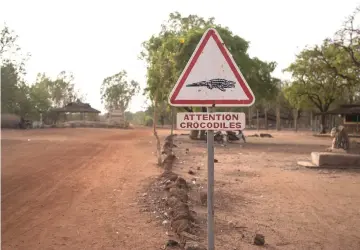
<point x="217" y="83"/>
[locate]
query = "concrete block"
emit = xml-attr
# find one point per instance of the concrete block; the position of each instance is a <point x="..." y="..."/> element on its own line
<point x="335" y="159"/>
<point x="306" y="164"/>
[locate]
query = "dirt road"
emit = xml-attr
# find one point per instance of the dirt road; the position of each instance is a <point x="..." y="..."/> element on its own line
<point x="76" y="189"/>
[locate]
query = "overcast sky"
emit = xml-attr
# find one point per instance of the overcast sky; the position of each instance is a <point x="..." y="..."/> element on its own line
<point x="95" y="39"/>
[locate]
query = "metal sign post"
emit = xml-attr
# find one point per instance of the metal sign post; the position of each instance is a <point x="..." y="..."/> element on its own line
<point x="210" y="188"/>
<point x="202" y="84"/>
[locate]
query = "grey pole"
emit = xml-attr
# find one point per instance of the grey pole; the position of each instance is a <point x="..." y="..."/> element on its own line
<point x="210" y="188"/>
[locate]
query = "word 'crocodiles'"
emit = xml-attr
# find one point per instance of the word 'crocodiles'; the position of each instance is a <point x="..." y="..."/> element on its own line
<point x="217" y="83"/>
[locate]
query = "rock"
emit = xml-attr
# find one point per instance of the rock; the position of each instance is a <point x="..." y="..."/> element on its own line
<point x="259" y="240"/>
<point x="231" y="224"/>
<point x="173" y="201"/>
<point x="193" y="181"/>
<point x="193" y="245"/>
<point x="215" y="160"/>
<point x="193" y="215"/>
<point x="198" y="168"/>
<point x="172" y="243"/>
<point x="179" y="193"/>
<point x="179" y="208"/>
<point x="180" y="225"/>
<point x="191" y="172"/>
<point x="165" y="222"/>
<point x="169" y="175"/>
<point x="181" y="183"/>
<point x="169" y="185"/>
<point x="203" y="197"/>
<point x="263" y="135"/>
<point x="190" y="236"/>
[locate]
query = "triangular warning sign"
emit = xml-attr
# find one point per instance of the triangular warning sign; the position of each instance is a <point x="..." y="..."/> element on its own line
<point x="211" y="77"/>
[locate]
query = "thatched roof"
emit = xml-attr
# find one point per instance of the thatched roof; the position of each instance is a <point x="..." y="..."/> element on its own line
<point x="76" y="107"/>
<point x="345" y="109"/>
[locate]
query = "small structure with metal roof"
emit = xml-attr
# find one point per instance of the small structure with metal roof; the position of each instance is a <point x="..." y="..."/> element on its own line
<point x="346" y="114"/>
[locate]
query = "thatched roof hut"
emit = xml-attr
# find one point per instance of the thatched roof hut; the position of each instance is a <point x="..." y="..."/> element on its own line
<point x="76" y="107"/>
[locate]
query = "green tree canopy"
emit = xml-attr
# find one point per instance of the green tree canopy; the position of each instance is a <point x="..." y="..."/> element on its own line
<point x="314" y="79"/>
<point x="116" y="91"/>
<point x="168" y="52"/>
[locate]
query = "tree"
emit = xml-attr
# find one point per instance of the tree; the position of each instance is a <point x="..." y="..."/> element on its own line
<point x="40" y="98"/>
<point x="348" y="39"/>
<point x="14" y="92"/>
<point x="61" y="89"/>
<point x="10" y="51"/>
<point x="9" y="88"/>
<point x="346" y="59"/>
<point x="296" y="101"/>
<point x="116" y="91"/>
<point x="8" y="43"/>
<point x="167" y="53"/>
<point x="23" y="99"/>
<point x="315" y="80"/>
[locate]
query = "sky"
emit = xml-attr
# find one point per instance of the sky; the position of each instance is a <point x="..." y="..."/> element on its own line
<point x="96" y="39"/>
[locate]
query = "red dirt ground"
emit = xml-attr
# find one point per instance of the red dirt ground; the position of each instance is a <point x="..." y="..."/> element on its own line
<point x="76" y="189"/>
<point x="260" y="189"/>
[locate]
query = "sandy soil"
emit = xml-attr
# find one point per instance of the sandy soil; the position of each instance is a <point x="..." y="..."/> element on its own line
<point x="260" y="189"/>
<point x="76" y="189"/>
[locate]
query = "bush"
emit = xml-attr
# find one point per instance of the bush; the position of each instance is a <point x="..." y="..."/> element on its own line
<point x="148" y="121"/>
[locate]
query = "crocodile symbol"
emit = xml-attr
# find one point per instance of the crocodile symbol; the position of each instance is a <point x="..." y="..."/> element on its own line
<point x="217" y="83"/>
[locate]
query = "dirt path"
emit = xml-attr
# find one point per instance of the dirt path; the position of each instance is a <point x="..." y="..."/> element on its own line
<point x="76" y="189"/>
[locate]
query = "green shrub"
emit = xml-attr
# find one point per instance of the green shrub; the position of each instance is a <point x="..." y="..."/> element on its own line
<point x="148" y="121"/>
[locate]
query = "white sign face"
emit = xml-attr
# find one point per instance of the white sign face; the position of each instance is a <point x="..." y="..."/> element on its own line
<point x="211" y="121"/>
<point x="211" y="77"/>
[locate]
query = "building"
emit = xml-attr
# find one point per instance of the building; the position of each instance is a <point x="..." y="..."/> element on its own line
<point x="117" y="117"/>
<point x="347" y="115"/>
<point x="76" y="111"/>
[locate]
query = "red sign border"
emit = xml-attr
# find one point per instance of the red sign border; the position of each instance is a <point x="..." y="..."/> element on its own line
<point x="212" y="33"/>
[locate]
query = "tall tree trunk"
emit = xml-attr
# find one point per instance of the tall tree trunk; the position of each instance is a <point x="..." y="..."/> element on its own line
<point x="322" y="124"/>
<point x="296" y="114"/>
<point x="158" y="146"/>
<point x="249" y="117"/>
<point x="311" y="120"/>
<point x="257" y="120"/>
<point x="278" y="120"/>
<point x="266" y="118"/>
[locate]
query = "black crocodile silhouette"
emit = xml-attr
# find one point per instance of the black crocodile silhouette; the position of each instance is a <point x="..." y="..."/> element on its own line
<point x="217" y="83"/>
